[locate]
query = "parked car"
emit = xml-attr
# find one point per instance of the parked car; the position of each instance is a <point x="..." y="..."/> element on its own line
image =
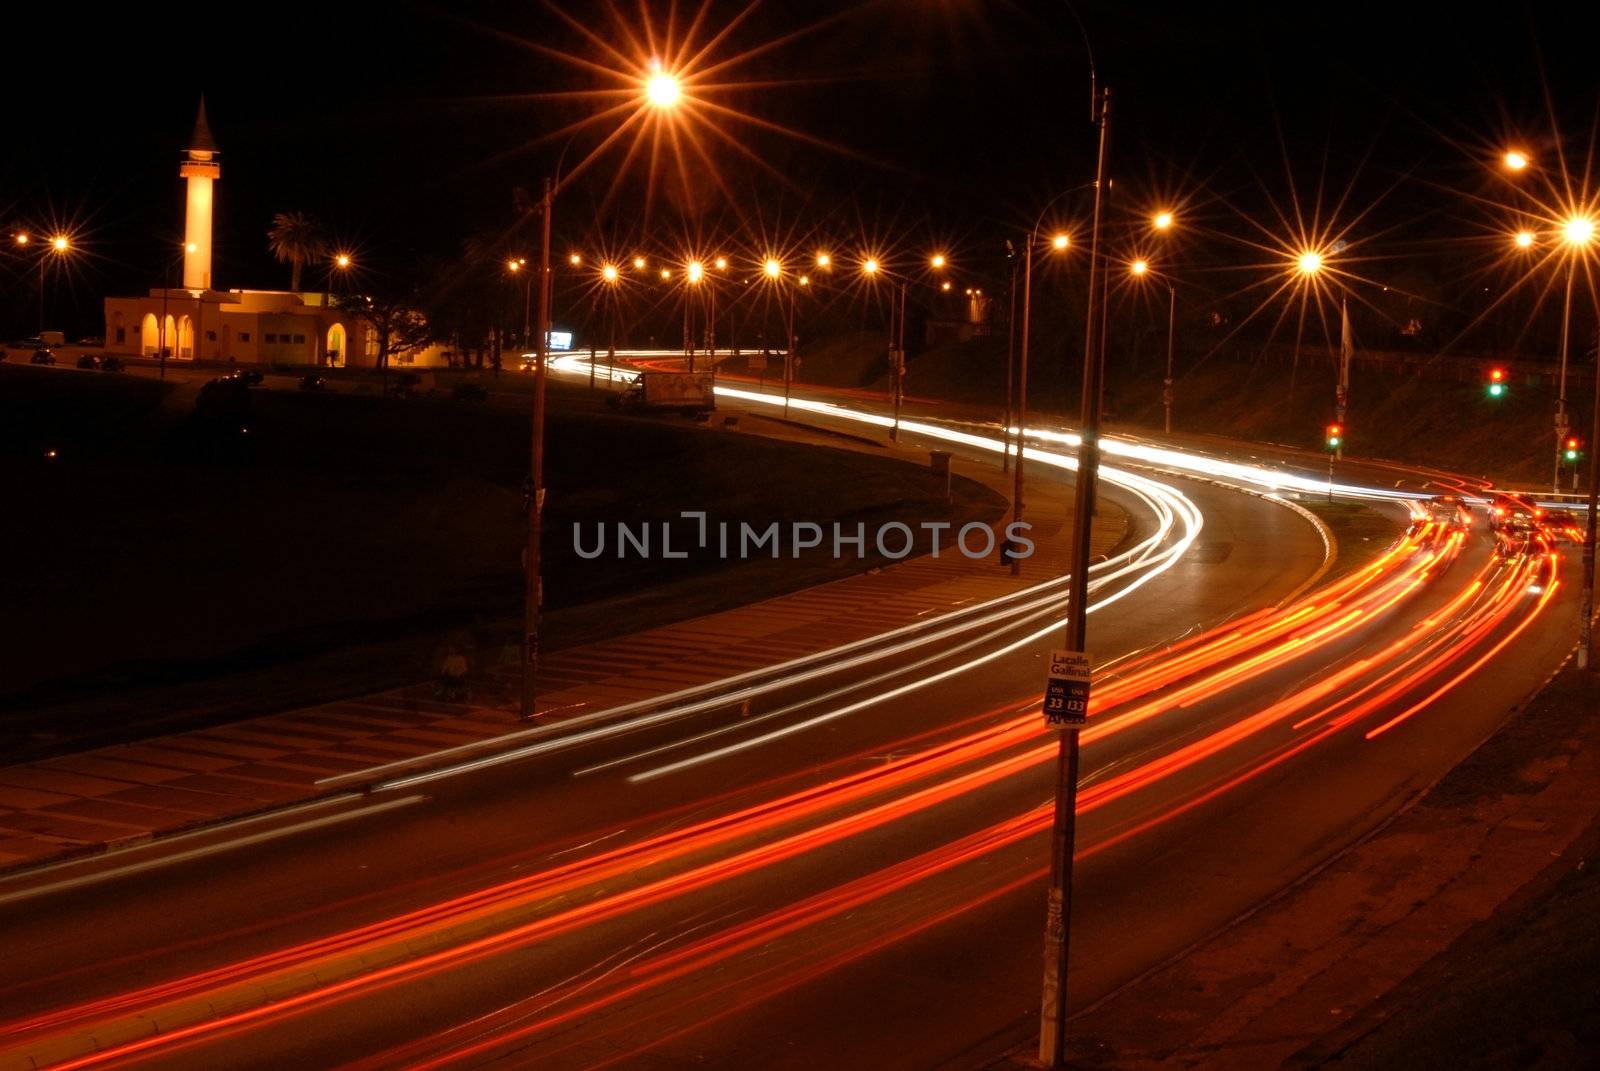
<point x="313" y="383"/>
<point x="108" y="363"/>
<point x="43" y="357"/>
<point x="92" y="340"/>
<point x="249" y="377"/>
<point x="88" y="360"/>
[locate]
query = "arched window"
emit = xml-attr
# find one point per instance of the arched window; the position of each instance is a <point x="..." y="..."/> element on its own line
<point x="149" y="335"/>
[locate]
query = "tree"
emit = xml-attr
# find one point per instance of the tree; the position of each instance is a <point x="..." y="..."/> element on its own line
<point x="397" y="320"/>
<point x="296" y="239"/>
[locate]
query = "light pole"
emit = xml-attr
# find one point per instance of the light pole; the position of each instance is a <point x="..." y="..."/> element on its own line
<point x="1162" y="222"/>
<point x="1577" y="232"/>
<point x="1059" y="243"/>
<point x="661" y="91"/>
<point x="340" y="263"/>
<point x="59" y="245"/>
<point x="1063" y="830"/>
<point x="1011" y="358"/>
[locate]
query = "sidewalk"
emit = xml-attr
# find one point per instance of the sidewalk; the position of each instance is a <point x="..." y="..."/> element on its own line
<point x="80" y="804"/>
<point x="1380" y="935"/>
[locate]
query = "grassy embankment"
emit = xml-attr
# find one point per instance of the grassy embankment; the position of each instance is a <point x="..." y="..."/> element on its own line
<point x="161" y="573"/>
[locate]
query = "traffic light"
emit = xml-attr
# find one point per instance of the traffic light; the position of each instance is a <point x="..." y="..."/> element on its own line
<point x="1497" y="382"/>
<point x="1335" y="436"/>
<point x="1571" y="449"/>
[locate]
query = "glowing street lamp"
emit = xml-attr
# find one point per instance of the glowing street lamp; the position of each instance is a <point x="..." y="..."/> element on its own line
<point x="666" y="273"/>
<point x="1524" y="239"/>
<point x="1139" y="267"/>
<point x="937" y="261"/>
<point x="945" y="286"/>
<point x="1061" y="241"/>
<point x="1515" y="160"/>
<point x="609" y="273"/>
<point x="60" y="243"/>
<point x="695" y="271"/>
<point x="824" y="260"/>
<point x="342" y="260"/>
<point x="638" y="264"/>
<point x="870" y="266"/>
<point x="1162" y="221"/>
<point x="772" y="267"/>
<point x="1309" y="262"/>
<point x="1577" y="232"/>
<point x="21" y="238"/>
<point x="574" y="260"/>
<point x="722" y="263"/>
<point x="662" y="90"/>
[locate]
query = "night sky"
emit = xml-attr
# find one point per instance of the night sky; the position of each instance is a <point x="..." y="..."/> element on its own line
<point x="405" y="127"/>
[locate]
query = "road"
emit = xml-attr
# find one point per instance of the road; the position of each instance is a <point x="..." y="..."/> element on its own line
<point x="848" y="876"/>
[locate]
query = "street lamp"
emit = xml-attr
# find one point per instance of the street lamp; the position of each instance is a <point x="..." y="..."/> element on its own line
<point x="937" y="261"/>
<point x="1059" y="243"/>
<point x="638" y="264"/>
<point x="1139" y="267"/>
<point x="59" y="246"/>
<point x="1577" y="231"/>
<point x="772" y="267"/>
<point x="1309" y="262"/>
<point x="1514" y="160"/>
<point x="824" y="261"/>
<point x="1162" y="221"/>
<point x="1524" y="239"/>
<point x="663" y="90"/>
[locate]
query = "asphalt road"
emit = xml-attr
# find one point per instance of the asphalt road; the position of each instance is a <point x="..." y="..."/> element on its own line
<point x="864" y="891"/>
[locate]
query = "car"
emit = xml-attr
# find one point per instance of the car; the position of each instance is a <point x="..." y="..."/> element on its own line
<point x="88" y="360"/>
<point x="43" y="357"/>
<point x="1517" y="535"/>
<point x="1450" y="511"/>
<point x="1564" y="524"/>
<point x="249" y="377"/>
<point x="91" y="340"/>
<point x="313" y="383"/>
<point x="1503" y="507"/>
<point x="109" y="363"/>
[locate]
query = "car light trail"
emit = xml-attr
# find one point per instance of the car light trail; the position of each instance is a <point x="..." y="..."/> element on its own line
<point x="1182" y="680"/>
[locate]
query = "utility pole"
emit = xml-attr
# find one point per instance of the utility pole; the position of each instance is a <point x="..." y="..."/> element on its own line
<point x="533" y="596"/>
<point x="1063" y="834"/>
<point x="1011" y="348"/>
<point x="1586" y="609"/>
<point x="1166" y="384"/>
<point x="1022" y="392"/>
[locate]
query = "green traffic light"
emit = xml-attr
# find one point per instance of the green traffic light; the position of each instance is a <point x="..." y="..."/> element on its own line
<point x="1572" y="455"/>
<point x="1496" y="389"/>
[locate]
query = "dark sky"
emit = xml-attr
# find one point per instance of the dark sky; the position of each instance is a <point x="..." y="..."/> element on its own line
<point x="405" y="127"/>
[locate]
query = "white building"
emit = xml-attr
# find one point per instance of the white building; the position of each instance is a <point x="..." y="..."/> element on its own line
<point x="199" y="322"/>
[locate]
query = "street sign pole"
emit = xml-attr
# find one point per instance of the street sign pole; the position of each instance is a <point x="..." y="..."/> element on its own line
<point x="1058" y="915"/>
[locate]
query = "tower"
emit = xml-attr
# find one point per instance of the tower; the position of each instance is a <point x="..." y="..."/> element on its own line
<point x="199" y="169"/>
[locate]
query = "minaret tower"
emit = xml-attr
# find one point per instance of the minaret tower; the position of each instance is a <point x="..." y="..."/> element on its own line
<point x="200" y="169"/>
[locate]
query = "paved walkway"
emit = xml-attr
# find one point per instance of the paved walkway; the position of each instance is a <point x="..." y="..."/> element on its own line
<point x="126" y="793"/>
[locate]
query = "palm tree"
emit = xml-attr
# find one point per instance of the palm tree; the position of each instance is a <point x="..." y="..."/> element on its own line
<point x="295" y="238"/>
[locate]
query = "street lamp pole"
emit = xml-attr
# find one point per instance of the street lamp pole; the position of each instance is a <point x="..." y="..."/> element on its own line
<point x="1561" y="396"/>
<point x="534" y="594"/>
<point x="1166" y="385"/>
<point x="1586" y="609"/>
<point x="1011" y="350"/>
<point x="1058" y="917"/>
<point x="1022" y="389"/>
